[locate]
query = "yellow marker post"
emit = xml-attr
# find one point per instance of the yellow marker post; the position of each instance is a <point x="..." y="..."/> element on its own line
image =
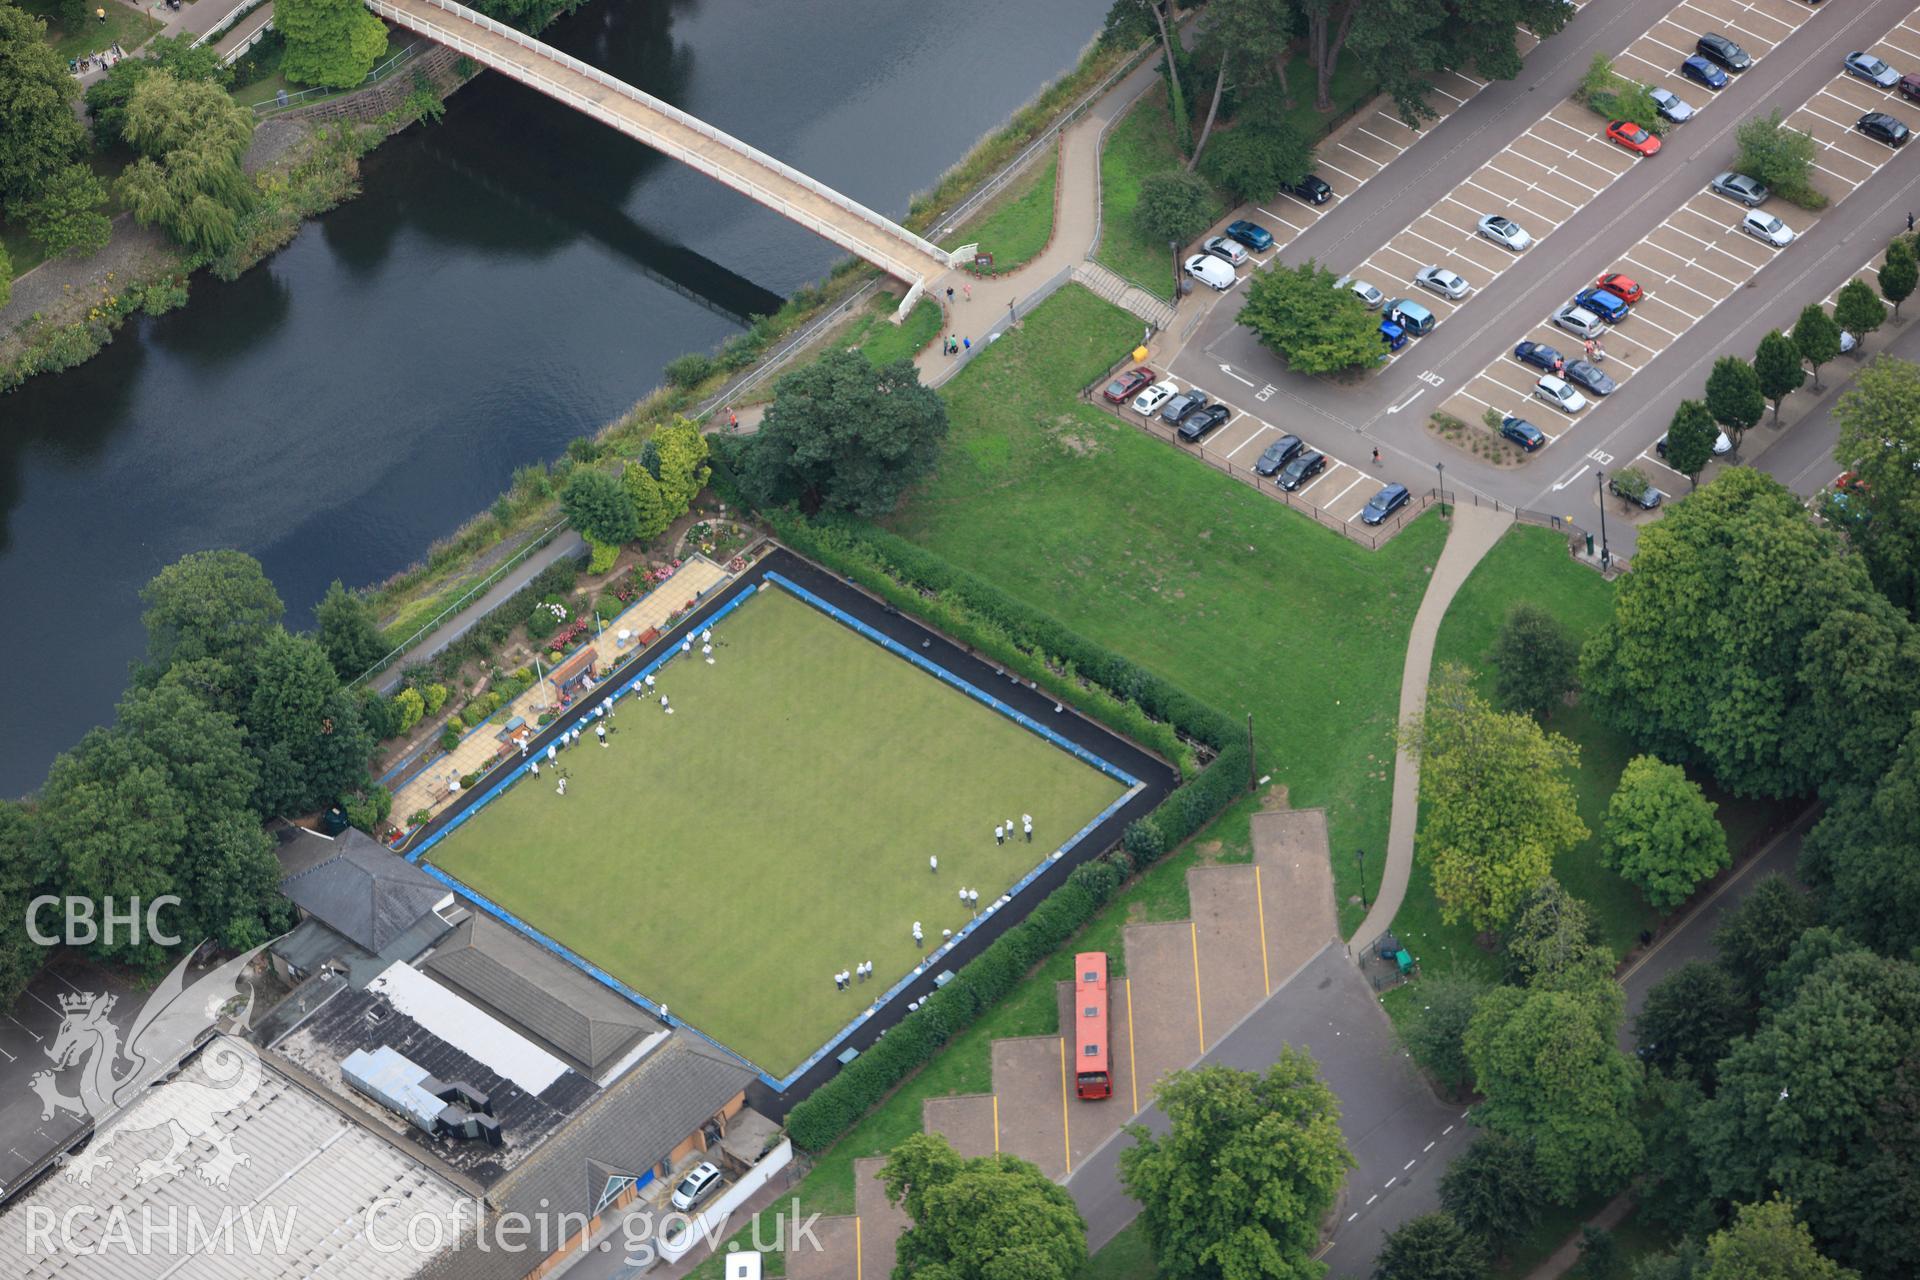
<point x="1199" y="1013"/>
<point x="1260" y="900"/>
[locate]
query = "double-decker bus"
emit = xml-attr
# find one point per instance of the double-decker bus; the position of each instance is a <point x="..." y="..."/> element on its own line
<point x="1091" y="1076"/>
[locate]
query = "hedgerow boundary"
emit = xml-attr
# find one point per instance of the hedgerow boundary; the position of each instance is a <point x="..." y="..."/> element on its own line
<point x="1208" y="745"/>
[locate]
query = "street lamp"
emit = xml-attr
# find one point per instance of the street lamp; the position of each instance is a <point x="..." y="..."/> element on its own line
<point x="1600" y="479"/>
<point x="1360" y="858"/>
<point x="1441" y="467"/>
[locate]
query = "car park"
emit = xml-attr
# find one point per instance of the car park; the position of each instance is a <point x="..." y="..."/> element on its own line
<point x="1559" y="393"/>
<point x="1702" y="72"/>
<point x="1150" y="400"/>
<point x="1277" y="455"/>
<point x="1306" y="464"/>
<point x="1882" y="127"/>
<point x="1672" y="107"/>
<point x="1210" y="271"/>
<point x="701" y="1181"/>
<point x="1587" y="376"/>
<point x="1605" y="303"/>
<point x="1128" y="385"/>
<point x="1871" y="69"/>
<point x="1227" y="249"/>
<point x="1720" y="51"/>
<point x="1764" y="226"/>
<point x="1750" y="192"/>
<point x="1540" y="356"/>
<point x="1370" y="297"/>
<point x="1631" y="136"/>
<point x="1411" y="316"/>
<point x="1579" y="321"/>
<point x="1385" y="503"/>
<point x="1183" y="404"/>
<point x="1647" y="499"/>
<point x="1195" y="426"/>
<point x="1505" y="232"/>
<point x="1442" y="281"/>
<point x="1523" y="433"/>
<point x="1312" y="188"/>
<point x="1621" y="287"/>
<point x="1251" y="234"/>
<point x="1720" y="444"/>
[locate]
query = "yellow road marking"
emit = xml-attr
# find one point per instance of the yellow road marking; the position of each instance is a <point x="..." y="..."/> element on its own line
<point x="1066" y="1143"/>
<point x="1133" y="1073"/>
<point x="1199" y="1014"/>
<point x="857" y="1260"/>
<point x="1260" y="899"/>
<point x="996" y="1124"/>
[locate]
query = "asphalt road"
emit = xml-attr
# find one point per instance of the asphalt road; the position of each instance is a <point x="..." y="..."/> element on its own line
<point x="1355" y="418"/>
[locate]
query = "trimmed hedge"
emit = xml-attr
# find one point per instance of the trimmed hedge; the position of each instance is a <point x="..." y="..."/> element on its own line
<point x="1127" y="698"/>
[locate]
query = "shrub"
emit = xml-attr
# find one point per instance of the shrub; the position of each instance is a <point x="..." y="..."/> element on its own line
<point x="544" y="617"/>
<point x="609" y="606"/>
<point x="369" y="808"/>
<point x="378" y="714"/>
<point x="409" y="707"/>
<point x="604" y="554"/>
<point x="436" y="698"/>
<point x="690" y="370"/>
<point x="449" y="738"/>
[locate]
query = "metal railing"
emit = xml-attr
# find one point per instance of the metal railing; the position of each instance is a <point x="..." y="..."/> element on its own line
<point x="379" y="73"/>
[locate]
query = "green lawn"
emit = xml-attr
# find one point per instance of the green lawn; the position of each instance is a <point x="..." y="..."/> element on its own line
<point x="884" y="341"/>
<point x="125" y="25"/>
<point x="1138" y="146"/>
<point x="1126" y="1257"/>
<point x="1018" y="222"/>
<point x="727" y="860"/>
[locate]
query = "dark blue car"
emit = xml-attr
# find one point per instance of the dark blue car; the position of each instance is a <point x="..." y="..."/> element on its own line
<point x="1700" y="71"/>
<point x="1540" y="356"/>
<point x="1385" y="503"/>
<point x="1251" y="234"/>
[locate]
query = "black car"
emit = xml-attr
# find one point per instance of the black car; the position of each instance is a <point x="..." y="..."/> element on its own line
<point x="1540" y="356"/>
<point x="1303" y="468"/>
<point x="1385" y="503"/>
<point x="1724" y="52"/>
<point x="1588" y="378"/>
<point x="1882" y="127"/>
<point x="1310" y="188"/>
<point x="1183" y="404"/>
<point x="1277" y="455"/>
<point x="1198" y="423"/>
<point x="1522" y="433"/>
<point x="1643" y="495"/>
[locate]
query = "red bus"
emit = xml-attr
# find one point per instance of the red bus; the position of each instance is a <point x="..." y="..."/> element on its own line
<point x="1091" y="1077"/>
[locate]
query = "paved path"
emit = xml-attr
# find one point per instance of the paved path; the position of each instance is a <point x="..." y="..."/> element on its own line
<point x="1475" y="530"/>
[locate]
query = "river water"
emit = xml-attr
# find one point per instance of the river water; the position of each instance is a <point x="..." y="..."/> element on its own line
<point x="510" y="278"/>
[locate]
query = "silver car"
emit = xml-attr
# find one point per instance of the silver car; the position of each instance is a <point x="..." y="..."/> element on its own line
<point x="1750" y="192"/>
<point x="1869" y="68"/>
<point x="1441" y="281"/>
<point x="1671" y="106"/>
<point x="1559" y="393"/>
<point x="1231" y="250"/>
<point x="1766" y="227"/>
<point x="1579" y="321"/>
<point x="1505" y="232"/>
<point x="1369" y="296"/>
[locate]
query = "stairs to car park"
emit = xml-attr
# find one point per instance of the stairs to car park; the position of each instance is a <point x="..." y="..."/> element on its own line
<point x="1123" y="293"/>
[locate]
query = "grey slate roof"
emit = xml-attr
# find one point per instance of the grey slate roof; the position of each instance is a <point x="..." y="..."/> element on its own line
<point x="583" y="1021"/>
<point x="351" y="883"/>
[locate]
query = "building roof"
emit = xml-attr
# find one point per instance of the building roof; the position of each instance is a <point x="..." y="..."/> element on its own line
<point x="584" y="1021"/>
<point x="309" y="1170"/>
<point x="365" y="893"/>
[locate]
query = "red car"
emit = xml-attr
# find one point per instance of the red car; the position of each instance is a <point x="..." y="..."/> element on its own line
<point x="1633" y="137"/>
<point x="1128" y="385"/>
<point x="1621" y="287"/>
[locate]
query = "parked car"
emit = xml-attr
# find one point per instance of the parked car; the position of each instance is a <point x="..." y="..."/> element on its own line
<point x="1579" y="321"/>
<point x="1505" y="232"/>
<point x="1277" y="455"/>
<point x="1720" y="444"/>
<point x="1183" y="404"/>
<point x="1210" y="271"/>
<point x="1750" y="192"/>
<point x="1671" y="107"/>
<point x="1370" y="297"/>
<point x="1717" y="49"/>
<point x="1227" y="250"/>
<point x="1523" y="433"/>
<point x="1631" y="136"/>
<point x="1647" y="499"/>
<point x="1150" y="400"/>
<point x="1559" y="393"/>
<point x="1702" y="72"/>
<point x="701" y="1181"/>
<point x="1587" y="376"/>
<point x="1605" y="303"/>
<point x="1306" y="464"/>
<point x="1871" y="69"/>
<point x="1195" y="426"/>
<point x="1310" y="188"/>
<point x="1764" y="226"/>
<point x="1385" y="503"/>
<point x="1442" y="281"/>
<point x="1251" y="234"/>
<point x="1128" y="385"/>
<point x="1540" y="356"/>
<point x="1411" y="316"/>
<point x="1882" y="127"/>
<point x="1909" y="87"/>
<point x="1621" y="287"/>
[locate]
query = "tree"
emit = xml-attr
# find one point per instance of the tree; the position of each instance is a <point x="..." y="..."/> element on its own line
<point x="1435" y="1033"/>
<point x="982" y="1218"/>
<point x="178" y="56"/>
<point x="1661" y="835"/>
<point x="1250" y="162"/>
<point x="65" y="216"/>
<point x="844" y="436"/>
<point x="682" y="452"/>
<point x="1553" y="944"/>
<point x="1498" y="805"/>
<point x="1534" y="660"/>
<point x="1861" y="670"/>
<point x="349" y="631"/>
<point x="1250" y="41"/>
<point x="1552" y="1079"/>
<point x="1879" y="441"/>
<point x="39" y="135"/>
<point x="6" y="276"/>
<point x="1899" y="273"/>
<point x="1863" y="856"/>
<point x="597" y="505"/>
<point x="1691" y="436"/>
<point x="188" y="179"/>
<point x="303" y="728"/>
<point x="1733" y="396"/>
<point x="329" y="42"/>
<point x="1817" y="337"/>
<point x="1174" y="206"/>
<point x="1756" y="937"/>
<point x="1858" y="309"/>
<point x="1431" y="1247"/>
<point x="1492" y="1189"/>
<point x="1766" y="1242"/>
<point x="1690" y="1019"/>
<point x="23" y="867"/>
<point x="649" y="501"/>
<point x="1778" y="156"/>
<point x="1299" y="316"/>
<point x="1776" y="363"/>
<point x="209" y="611"/>
<point x="1249" y="1166"/>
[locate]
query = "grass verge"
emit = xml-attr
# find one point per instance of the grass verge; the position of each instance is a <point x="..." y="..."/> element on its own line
<point x="884" y="341"/>
<point x="124" y="25"/>
<point x="1138" y="147"/>
<point x="1019" y="222"/>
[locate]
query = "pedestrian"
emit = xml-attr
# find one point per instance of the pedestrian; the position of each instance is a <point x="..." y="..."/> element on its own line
<point x="1026" y="824"/>
<point x="733" y="420"/>
<point x="967" y="343"/>
<point x="608" y="704"/>
<point x="949" y="295"/>
<point x="916" y="934"/>
<point x="1909" y="222"/>
<point x="1009" y="828"/>
<point x="535" y="766"/>
<point x="600" y="732"/>
<point x="836" y="980"/>
<point x="706" y="651"/>
<point x="1376" y="457"/>
<point x="576" y="735"/>
<point x="999" y="835"/>
<point x="706" y="637"/>
<point x="963" y="897"/>
<point x="968" y="287"/>
<point x="946" y="936"/>
<point x="649" y="682"/>
<point x="973" y="899"/>
<point x="562" y="788"/>
<point x="553" y="753"/>
<point x="933" y="864"/>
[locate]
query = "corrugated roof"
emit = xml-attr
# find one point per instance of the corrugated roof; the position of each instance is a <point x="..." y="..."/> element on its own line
<point x="366" y="893"/>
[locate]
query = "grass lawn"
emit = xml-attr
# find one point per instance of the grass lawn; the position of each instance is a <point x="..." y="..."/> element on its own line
<point x="735" y="905"/>
<point x="884" y="341"/>
<point x="126" y="26"/>
<point x="1126" y="1257"/>
<point x="1139" y="146"/>
<point x="1019" y="221"/>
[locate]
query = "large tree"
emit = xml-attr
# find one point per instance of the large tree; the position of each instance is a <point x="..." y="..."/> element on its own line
<point x="1691" y="436"/>
<point x="333" y="43"/>
<point x="653" y="513"/>
<point x="1858" y="309"/>
<point x="1690" y="1019"/>
<point x="1733" y="396"/>
<point x="1492" y="1189"/>
<point x="1435" y="1032"/>
<point x="597" y="504"/>
<point x="349" y="631"/>
<point x="39" y="134"/>
<point x="24" y="866"/>
<point x="1552" y="943"/>
<point x="1534" y="660"/>
<point x="65" y="216"/>
<point x="1497" y="803"/>
<point x="1431" y="1247"/>
<point x="1899" y="273"/>
<point x="1766" y="1242"/>
<point x="1864" y="855"/>
<point x="682" y="453"/>
<point x="980" y="1219"/>
<point x="191" y="137"/>
<point x="1297" y="314"/>
<point x="1175" y="206"/>
<point x="1661" y="833"/>
<point x="1249" y="1166"/>
<point x="1817" y="337"/>
<point x="1250" y="42"/>
<point x="206" y="614"/>
<point x="1252" y="160"/>
<point x="303" y="728"/>
<point x="844" y="436"/>
<point x="1777" y="365"/>
<point x="178" y="56"/>
<point x="1778" y="156"/>
<point x="1756" y="937"/>
<point x="1879" y="441"/>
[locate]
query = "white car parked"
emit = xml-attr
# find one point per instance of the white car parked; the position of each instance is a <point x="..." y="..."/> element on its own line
<point x="1560" y="394"/>
<point x="1766" y="227"/>
<point x="1505" y="232"/>
<point x="1579" y="321"/>
<point x="701" y="1181"/>
<point x="1442" y="281"/>
<point x="1370" y="297"/>
<point x="1211" y="271"/>
<point x="1150" y="400"/>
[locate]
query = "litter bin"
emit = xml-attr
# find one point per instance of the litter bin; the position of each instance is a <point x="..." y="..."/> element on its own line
<point x="1589" y="544"/>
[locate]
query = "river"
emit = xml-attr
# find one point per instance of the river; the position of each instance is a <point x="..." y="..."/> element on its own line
<point x="510" y="278"/>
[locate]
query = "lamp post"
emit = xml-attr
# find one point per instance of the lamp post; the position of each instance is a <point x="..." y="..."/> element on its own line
<point x="1360" y="858"/>
<point x="1441" y="468"/>
<point x="1600" y="479"/>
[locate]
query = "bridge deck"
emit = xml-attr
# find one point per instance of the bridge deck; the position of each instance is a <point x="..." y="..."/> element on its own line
<point x="827" y="213"/>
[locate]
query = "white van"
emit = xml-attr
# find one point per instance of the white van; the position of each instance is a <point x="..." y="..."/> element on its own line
<point x="1209" y="270"/>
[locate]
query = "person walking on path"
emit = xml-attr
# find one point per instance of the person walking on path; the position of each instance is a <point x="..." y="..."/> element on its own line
<point x="967" y="343"/>
<point x="949" y="295"/>
<point x="733" y="419"/>
<point x="1909" y="223"/>
<point x="1376" y="457"/>
<point x="968" y="285"/>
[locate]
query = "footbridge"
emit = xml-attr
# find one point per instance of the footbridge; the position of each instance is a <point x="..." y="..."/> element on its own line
<point x="913" y="260"/>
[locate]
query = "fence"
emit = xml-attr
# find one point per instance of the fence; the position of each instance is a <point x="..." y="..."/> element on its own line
<point x="381" y="72"/>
